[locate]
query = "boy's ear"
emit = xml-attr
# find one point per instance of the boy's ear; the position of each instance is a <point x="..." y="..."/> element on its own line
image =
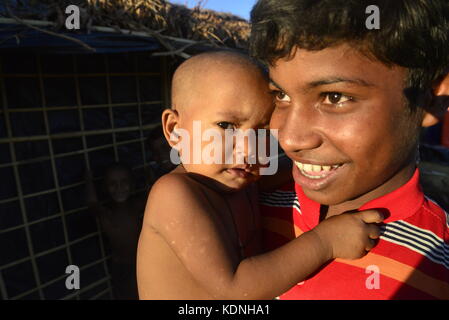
<point x="439" y="104"/>
<point x="170" y="119"/>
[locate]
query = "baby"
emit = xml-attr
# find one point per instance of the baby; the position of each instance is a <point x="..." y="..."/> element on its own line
<point x="201" y="232"/>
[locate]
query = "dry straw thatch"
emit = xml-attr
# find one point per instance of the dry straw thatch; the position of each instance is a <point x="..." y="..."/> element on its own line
<point x="167" y="19"/>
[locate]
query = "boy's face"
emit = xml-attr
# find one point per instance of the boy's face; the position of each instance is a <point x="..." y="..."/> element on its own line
<point x="345" y="122"/>
<point x="238" y="99"/>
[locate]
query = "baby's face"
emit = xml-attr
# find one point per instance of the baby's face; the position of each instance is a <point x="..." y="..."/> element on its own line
<point x="237" y="101"/>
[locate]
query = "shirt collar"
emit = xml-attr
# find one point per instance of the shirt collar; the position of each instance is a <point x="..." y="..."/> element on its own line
<point x="399" y="204"/>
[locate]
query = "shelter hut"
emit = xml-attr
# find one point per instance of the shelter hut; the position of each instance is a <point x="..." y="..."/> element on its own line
<point x="72" y="100"/>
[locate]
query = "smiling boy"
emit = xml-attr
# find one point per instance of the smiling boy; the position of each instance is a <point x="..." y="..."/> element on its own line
<point x="350" y="103"/>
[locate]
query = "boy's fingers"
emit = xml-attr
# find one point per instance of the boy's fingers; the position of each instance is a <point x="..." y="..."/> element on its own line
<point x="371" y="216"/>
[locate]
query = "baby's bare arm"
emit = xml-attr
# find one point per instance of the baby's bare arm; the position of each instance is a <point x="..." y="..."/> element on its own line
<point x="183" y="218"/>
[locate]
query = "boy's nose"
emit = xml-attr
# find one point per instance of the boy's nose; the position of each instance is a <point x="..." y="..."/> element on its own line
<point x="298" y="129"/>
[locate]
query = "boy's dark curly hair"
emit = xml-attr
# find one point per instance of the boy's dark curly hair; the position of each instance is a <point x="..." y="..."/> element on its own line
<point x="413" y="33"/>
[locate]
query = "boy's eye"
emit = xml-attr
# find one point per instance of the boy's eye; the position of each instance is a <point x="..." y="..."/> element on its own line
<point x="226" y="125"/>
<point x="335" y="98"/>
<point x="281" y="96"/>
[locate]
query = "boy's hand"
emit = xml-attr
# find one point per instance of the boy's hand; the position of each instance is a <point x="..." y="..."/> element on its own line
<point x="350" y="235"/>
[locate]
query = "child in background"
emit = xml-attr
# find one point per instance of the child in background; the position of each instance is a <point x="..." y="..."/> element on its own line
<point x="201" y="233"/>
<point x="120" y="220"/>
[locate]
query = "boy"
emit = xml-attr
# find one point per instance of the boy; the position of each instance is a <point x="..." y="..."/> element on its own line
<point x="202" y="223"/>
<point x="350" y="103"/>
<point x="120" y="220"/>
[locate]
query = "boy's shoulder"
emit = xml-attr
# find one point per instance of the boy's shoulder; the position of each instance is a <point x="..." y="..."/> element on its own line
<point x="426" y="231"/>
<point x="436" y="218"/>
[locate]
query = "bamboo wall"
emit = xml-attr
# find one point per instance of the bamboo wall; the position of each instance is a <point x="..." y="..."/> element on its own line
<point x="61" y="115"/>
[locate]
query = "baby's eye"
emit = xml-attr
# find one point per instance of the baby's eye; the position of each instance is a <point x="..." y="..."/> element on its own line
<point x="335" y="98"/>
<point x="281" y="96"/>
<point x="226" y="125"/>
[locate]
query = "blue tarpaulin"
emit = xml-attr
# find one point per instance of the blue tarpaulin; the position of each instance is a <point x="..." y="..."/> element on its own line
<point x="19" y="37"/>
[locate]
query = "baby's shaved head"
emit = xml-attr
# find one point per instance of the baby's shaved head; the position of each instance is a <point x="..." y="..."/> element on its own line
<point x="202" y="72"/>
<point x="212" y="93"/>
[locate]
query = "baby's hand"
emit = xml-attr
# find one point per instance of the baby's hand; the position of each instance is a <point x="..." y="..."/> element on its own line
<point x="350" y="235"/>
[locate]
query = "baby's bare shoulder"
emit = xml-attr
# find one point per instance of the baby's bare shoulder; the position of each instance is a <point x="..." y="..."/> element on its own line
<point x="174" y="186"/>
<point x="175" y="197"/>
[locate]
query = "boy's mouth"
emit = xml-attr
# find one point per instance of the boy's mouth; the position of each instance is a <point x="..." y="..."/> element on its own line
<point x="314" y="171"/>
<point x="315" y="176"/>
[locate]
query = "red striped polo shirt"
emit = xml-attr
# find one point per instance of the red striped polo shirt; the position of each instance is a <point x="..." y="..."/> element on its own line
<point x="410" y="261"/>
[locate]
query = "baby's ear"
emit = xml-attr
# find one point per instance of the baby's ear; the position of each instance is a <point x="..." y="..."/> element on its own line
<point x="440" y="103"/>
<point x="170" y="119"/>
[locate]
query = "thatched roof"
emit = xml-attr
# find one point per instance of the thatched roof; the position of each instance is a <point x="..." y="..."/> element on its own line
<point x="167" y="19"/>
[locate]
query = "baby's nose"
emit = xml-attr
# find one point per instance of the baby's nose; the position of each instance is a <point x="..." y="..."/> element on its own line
<point x="246" y="148"/>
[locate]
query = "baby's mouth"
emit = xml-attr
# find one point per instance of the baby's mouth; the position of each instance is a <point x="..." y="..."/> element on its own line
<point x="240" y="171"/>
